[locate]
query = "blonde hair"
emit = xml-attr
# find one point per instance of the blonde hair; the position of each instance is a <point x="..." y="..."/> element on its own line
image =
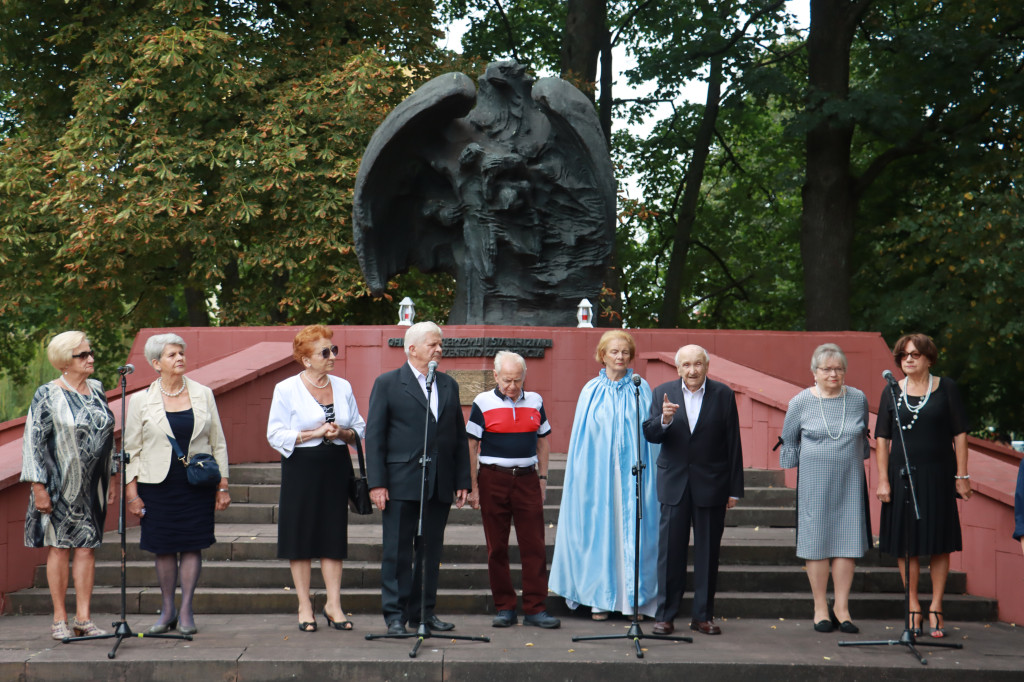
<point x="614" y="335"/>
<point x="62" y="346"/>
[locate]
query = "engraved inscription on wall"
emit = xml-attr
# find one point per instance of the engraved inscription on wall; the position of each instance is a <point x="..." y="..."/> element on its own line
<point x="486" y="347"/>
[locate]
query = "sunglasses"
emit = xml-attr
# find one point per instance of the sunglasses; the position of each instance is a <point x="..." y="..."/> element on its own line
<point x="84" y="354"/>
<point x="328" y="352"/>
<point x="913" y="354"/>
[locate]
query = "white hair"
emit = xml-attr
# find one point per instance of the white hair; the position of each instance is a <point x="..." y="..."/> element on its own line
<point x="155" y="345"/>
<point x="707" y="358"/>
<point x="503" y="356"/>
<point x="826" y="351"/>
<point x="415" y="334"/>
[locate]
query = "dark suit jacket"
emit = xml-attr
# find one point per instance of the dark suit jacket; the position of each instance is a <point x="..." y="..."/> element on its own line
<point x="394" y="437"/>
<point x="710" y="460"/>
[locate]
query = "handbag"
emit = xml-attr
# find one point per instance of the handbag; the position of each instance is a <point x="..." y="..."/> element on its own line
<point x="358" y="488"/>
<point x="201" y="468"/>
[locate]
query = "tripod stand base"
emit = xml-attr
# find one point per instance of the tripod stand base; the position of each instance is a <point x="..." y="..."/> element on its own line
<point x="422" y="633"/>
<point x="636" y="634"/>
<point x="908" y="640"/>
<point x="122" y="631"/>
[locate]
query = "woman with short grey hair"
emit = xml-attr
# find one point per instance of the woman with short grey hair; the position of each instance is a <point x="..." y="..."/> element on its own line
<point x="825" y="435"/>
<point x="177" y="517"/>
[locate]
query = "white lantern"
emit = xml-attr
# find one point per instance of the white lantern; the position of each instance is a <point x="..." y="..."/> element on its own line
<point x="585" y="314"/>
<point x="406" y="312"/>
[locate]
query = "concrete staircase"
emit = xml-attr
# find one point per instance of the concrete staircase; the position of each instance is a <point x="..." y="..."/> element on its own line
<point x="760" y="575"/>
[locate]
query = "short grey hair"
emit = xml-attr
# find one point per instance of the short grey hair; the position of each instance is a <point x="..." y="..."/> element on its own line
<point x="827" y="351"/>
<point x="415" y="334"/>
<point x="155" y="345"/>
<point x="503" y="356"/>
<point x="707" y="358"/>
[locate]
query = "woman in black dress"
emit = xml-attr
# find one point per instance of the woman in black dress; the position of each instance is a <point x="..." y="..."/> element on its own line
<point x="312" y="416"/>
<point x="934" y="425"/>
<point x="177" y="518"/>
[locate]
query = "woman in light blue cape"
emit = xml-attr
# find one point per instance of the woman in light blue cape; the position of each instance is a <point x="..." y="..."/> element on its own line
<point x="595" y="540"/>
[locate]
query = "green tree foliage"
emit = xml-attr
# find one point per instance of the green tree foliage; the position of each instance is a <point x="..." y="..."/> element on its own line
<point x="181" y="162"/>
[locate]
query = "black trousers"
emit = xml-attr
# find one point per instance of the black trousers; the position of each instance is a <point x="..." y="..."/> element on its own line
<point x="400" y="583"/>
<point x="673" y="540"/>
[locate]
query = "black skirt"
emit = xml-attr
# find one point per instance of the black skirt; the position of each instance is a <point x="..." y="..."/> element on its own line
<point x="313" y="511"/>
<point x="179" y="516"/>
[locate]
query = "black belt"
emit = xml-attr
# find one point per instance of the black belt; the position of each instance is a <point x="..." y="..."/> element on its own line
<point x="511" y="471"/>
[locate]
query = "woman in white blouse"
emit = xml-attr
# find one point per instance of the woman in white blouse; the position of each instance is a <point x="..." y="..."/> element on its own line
<point x="312" y="416"/>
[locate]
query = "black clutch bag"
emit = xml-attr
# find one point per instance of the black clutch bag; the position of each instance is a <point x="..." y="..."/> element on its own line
<point x="358" y="488"/>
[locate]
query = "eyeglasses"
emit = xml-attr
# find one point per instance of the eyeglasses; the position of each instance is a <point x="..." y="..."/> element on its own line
<point x="832" y="370"/>
<point x="912" y="354"/>
<point x="84" y="354"/>
<point x="328" y="352"/>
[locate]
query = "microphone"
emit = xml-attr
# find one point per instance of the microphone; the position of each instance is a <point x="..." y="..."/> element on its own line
<point x="887" y="375"/>
<point x="431" y="368"/>
<point x="126" y="369"/>
<point x="636" y="379"/>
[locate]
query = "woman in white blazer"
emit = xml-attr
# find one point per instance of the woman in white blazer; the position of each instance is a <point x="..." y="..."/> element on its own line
<point x="312" y="416"/>
<point x="177" y="518"/>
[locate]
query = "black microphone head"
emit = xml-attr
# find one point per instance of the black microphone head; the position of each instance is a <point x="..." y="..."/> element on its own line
<point x="636" y="379"/>
<point x="887" y="375"/>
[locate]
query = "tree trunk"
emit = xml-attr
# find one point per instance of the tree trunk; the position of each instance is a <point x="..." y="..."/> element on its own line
<point x="585" y="34"/>
<point x="671" y="311"/>
<point x="830" y="200"/>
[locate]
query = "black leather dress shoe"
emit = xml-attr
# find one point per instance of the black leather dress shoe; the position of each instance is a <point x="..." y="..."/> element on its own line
<point x="395" y="627"/>
<point x="706" y="627"/>
<point x="433" y="623"/>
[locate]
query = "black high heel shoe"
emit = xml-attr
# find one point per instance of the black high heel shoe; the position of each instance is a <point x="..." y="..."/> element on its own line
<point x="337" y="624"/>
<point x="161" y="628"/>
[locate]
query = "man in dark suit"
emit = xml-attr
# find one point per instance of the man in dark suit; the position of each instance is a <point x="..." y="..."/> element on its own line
<point x="394" y="447"/>
<point x="700" y="475"/>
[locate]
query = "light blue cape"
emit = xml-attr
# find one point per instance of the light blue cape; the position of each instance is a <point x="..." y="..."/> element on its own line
<point x="594" y="541"/>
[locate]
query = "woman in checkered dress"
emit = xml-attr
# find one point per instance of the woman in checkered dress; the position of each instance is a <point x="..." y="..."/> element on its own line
<point x="825" y="435"/>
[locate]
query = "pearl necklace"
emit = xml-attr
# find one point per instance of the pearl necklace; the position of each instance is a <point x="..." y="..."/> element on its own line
<point x="327" y="380"/>
<point x="842" y="424"/>
<point x="176" y="393"/>
<point x="914" y="409"/>
<point x="85" y="396"/>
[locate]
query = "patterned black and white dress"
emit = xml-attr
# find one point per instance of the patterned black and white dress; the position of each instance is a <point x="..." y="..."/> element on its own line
<point x="827" y="440"/>
<point x="68" y="447"/>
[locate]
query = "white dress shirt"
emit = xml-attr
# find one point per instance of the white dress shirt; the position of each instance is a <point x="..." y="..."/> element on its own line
<point x="692" y="400"/>
<point x="422" y="378"/>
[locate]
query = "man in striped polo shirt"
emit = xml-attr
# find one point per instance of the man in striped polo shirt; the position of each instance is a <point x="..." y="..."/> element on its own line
<point x="508" y="431"/>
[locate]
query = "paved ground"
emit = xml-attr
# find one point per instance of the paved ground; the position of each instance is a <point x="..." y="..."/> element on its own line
<point x="270" y="647"/>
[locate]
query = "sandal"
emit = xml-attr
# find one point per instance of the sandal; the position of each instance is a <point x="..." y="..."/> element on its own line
<point x="938" y="631"/>
<point x="345" y="624"/>
<point x="307" y="627"/>
<point x="59" y="630"/>
<point x="87" y="629"/>
<point x="915" y="623"/>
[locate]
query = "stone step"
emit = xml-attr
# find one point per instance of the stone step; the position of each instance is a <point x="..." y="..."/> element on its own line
<point x="209" y="600"/>
<point x="270" y="474"/>
<point x="755" y="546"/>
<point x="267" y="513"/>
<point x="275" y="573"/>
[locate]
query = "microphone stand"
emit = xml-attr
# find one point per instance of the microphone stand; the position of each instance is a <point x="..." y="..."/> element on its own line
<point x="121" y="627"/>
<point x="635" y="633"/>
<point x="423" y="631"/>
<point x="908" y="639"/>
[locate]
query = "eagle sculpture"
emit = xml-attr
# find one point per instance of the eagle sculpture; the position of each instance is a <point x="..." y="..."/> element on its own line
<point x="510" y="190"/>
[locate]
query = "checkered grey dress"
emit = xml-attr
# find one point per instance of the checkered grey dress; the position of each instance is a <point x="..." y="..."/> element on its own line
<point x="832" y="516"/>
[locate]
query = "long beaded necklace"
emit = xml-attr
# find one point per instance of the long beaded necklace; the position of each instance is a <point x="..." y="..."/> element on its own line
<point x="309" y="381"/>
<point x="85" y="396"/>
<point x="914" y="409"/>
<point x="842" y="424"/>
<point x="176" y="393"/>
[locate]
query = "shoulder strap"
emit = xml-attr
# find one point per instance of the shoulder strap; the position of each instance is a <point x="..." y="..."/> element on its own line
<point x="359" y="453"/>
<point x="177" y="450"/>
